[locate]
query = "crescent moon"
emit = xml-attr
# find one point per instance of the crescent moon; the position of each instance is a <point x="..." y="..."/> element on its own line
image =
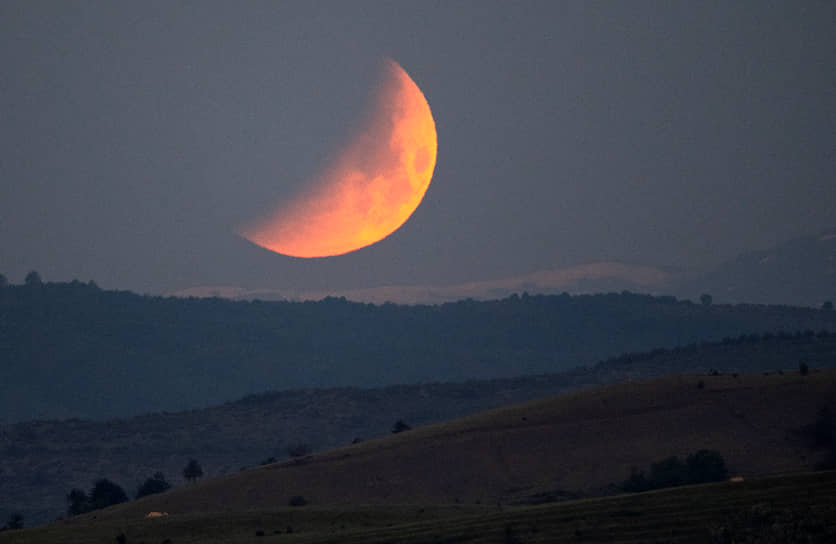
<point x="370" y="189"/>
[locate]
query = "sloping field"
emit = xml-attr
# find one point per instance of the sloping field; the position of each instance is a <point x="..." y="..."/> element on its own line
<point x="792" y="508"/>
<point x="577" y="443"/>
<point x="42" y="460"/>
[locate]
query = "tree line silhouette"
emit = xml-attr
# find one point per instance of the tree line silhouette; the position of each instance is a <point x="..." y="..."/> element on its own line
<point x="197" y="352"/>
<point x="106" y="493"/>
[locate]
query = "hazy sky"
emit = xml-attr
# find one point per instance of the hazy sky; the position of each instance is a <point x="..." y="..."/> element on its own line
<point x="135" y="136"/>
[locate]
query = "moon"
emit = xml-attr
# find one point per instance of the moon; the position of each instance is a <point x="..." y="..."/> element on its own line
<point x="370" y="189"/>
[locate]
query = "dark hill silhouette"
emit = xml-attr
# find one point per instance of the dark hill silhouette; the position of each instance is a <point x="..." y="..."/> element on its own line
<point x="73" y="350"/>
<point x="801" y="271"/>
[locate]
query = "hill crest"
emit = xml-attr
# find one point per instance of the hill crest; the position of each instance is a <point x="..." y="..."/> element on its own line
<point x="564" y="443"/>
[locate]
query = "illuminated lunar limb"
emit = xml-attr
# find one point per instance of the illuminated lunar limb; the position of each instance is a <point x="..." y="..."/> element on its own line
<point x="370" y="190"/>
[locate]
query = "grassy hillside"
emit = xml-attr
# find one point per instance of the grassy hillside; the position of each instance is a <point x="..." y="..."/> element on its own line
<point x="41" y="461"/>
<point x="577" y="443"/>
<point x="787" y="509"/>
<point x="72" y="350"/>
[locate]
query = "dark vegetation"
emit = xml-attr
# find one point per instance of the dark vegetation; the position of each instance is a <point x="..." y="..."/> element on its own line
<point x="155" y="484"/>
<point x="104" y="493"/>
<point x="701" y="467"/>
<point x="400" y="427"/>
<point x="74" y="350"/>
<point x="192" y="471"/>
<point x="15" y="520"/>
<point x="297" y="500"/>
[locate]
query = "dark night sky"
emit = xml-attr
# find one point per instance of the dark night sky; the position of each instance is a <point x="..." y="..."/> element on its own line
<point x="135" y="136"/>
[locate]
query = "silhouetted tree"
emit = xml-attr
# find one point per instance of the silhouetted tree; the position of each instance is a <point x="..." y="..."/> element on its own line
<point x="15" y="522"/>
<point x="106" y="493"/>
<point x="268" y="461"/>
<point x="192" y="471"/>
<point x="33" y="279"/>
<point x="803" y="368"/>
<point x="297" y="500"/>
<point x="636" y="483"/>
<point x="79" y="502"/>
<point x="669" y="472"/>
<point x="706" y="466"/>
<point x="400" y="427"/>
<point x="706" y="299"/>
<point x="3" y="281"/>
<point x="701" y="467"/>
<point x="156" y="484"/>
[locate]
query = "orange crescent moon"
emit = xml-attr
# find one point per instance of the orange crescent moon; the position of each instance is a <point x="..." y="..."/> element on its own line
<point x="372" y="187"/>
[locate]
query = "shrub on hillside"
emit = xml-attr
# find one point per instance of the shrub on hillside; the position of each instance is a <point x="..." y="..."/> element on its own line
<point x="400" y="426"/>
<point x="636" y="483"/>
<point x="706" y="466"/>
<point x="701" y="467"/>
<point x="104" y="493"/>
<point x="192" y="470"/>
<point x="297" y="500"/>
<point x="156" y="484"/>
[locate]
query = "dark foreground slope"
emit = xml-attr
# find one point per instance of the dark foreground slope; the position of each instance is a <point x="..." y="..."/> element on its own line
<point x="73" y="350"/>
<point x="786" y="509"/>
<point x="41" y="461"/>
<point x="487" y="466"/>
<point x="576" y="443"/>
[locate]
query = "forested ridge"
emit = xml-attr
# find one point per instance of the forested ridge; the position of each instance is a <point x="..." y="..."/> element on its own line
<point x="74" y="350"/>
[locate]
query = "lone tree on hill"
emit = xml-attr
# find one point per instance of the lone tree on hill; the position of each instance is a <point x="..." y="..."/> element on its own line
<point x="400" y="427"/>
<point x="33" y="278"/>
<point x="155" y="484"/>
<point x="78" y="501"/>
<point x="106" y="493"/>
<point x="706" y="299"/>
<point x="193" y="470"/>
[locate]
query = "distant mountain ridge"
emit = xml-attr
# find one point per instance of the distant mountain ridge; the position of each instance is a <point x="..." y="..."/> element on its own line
<point x="579" y="279"/>
<point x="801" y="271"/>
<point x="73" y="350"/>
